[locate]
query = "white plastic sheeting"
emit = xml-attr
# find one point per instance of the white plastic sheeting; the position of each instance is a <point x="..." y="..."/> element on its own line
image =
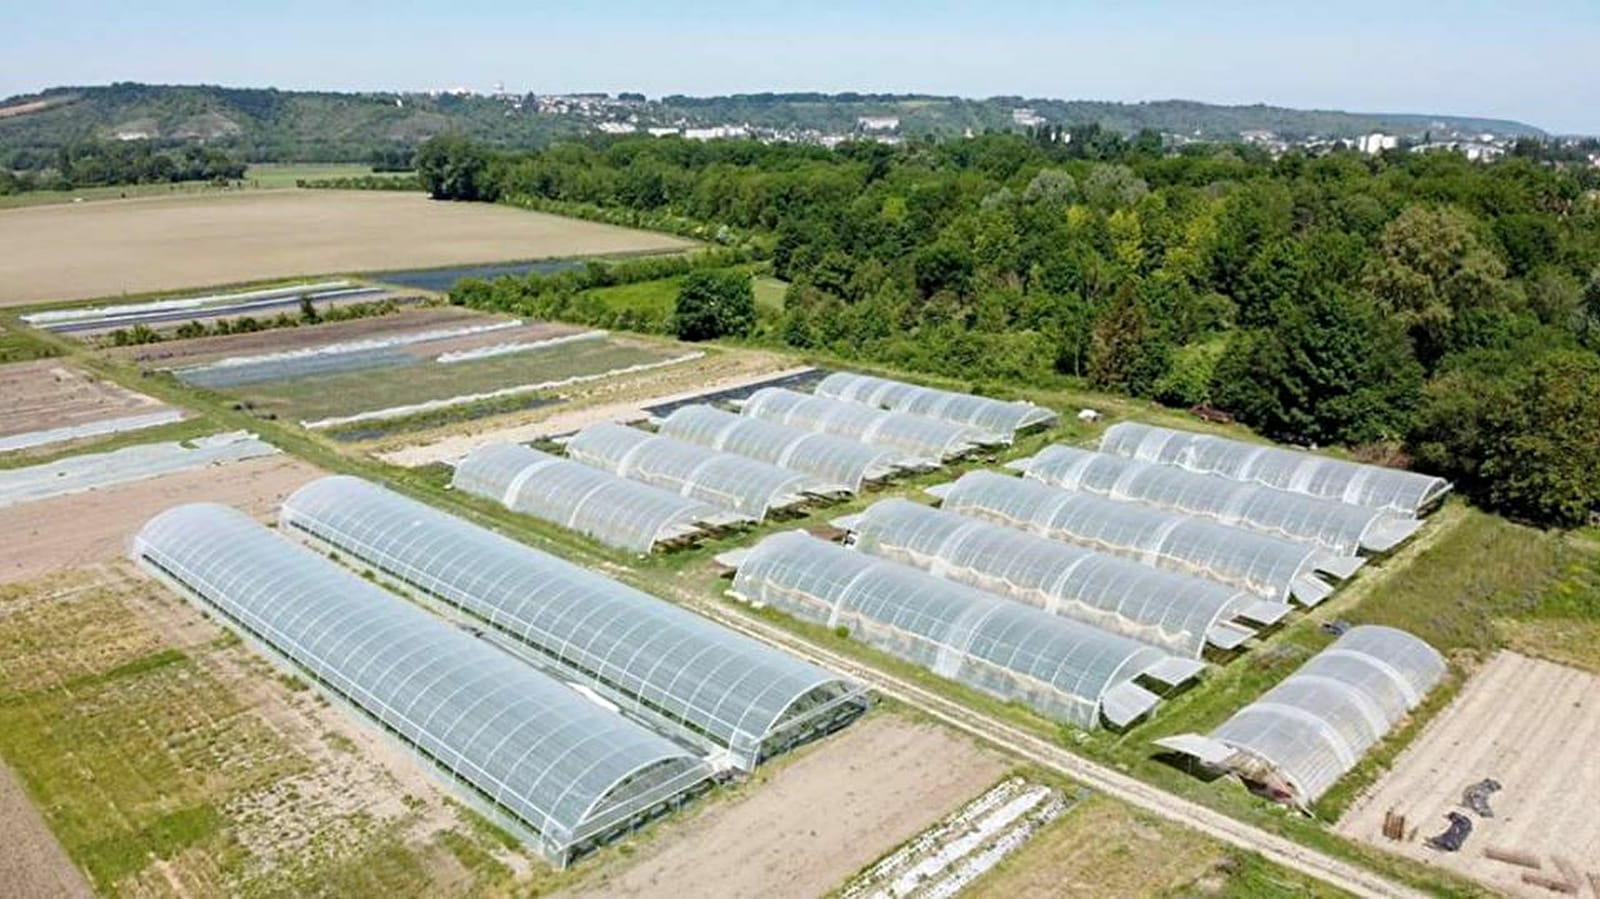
<point x="612" y="509"/>
<point x="1301" y="736"/>
<point x="1390" y="489"/>
<point x="1338" y="527"/>
<point x="1061" y="668"/>
<point x="65" y="433"/>
<point x="836" y="460"/>
<point x="1270" y="567"/>
<point x="994" y="416"/>
<point x="918" y="435"/>
<point x="76" y="474"/>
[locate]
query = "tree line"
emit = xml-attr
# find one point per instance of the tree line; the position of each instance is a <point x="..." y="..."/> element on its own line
<point x="96" y="163"/>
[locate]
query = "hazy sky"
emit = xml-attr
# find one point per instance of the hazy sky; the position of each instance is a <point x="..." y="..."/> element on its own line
<point x="1534" y="60"/>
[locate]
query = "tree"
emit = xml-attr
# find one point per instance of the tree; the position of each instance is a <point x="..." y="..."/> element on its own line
<point x="1432" y="266"/>
<point x="452" y="167"/>
<point x="1125" y="353"/>
<point x="714" y="304"/>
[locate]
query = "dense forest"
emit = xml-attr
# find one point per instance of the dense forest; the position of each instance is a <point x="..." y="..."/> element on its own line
<point x="1405" y="305"/>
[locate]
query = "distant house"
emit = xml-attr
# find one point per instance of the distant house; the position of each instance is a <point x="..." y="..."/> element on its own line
<point x="660" y="131"/>
<point x="716" y="132"/>
<point x="617" y="127"/>
<point x="1024" y="117"/>
<point x="1376" y="142"/>
<point x="878" y="123"/>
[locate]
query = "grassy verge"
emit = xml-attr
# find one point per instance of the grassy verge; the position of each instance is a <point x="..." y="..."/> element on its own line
<point x="22" y="346"/>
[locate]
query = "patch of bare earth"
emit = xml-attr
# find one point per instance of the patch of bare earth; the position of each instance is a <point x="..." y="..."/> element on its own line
<point x="49" y="393"/>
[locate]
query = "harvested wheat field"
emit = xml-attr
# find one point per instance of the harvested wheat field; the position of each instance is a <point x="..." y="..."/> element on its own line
<point x="804" y="825"/>
<point x="1531" y="725"/>
<point x="84" y="250"/>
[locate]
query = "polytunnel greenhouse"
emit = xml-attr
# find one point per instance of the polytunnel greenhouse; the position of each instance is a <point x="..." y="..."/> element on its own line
<point x="1174" y="612"/>
<point x="1270" y="567"/>
<point x="1337" y="527"/>
<point x="554" y="767"/>
<point x="918" y="435"/>
<point x="998" y="417"/>
<point x="657" y="662"/>
<point x="725" y="480"/>
<point x="613" y="510"/>
<point x="1063" y="669"/>
<point x="1390" y="489"/>
<point x="1301" y="736"/>
<point x="834" y="459"/>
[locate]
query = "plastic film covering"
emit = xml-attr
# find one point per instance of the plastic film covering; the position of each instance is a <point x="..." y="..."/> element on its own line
<point x="1161" y="608"/>
<point x="1301" y="736"/>
<point x="614" y="510"/>
<point x="1061" y="668"/>
<point x="1270" y="567"/>
<point x="1390" y="489"/>
<point x="918" y="435"/>
<point x="526" y="745"/>
<point x="653" y="659"/>
<point x="998" y="417"/>
<point x="1338" y="527"/>
<point x="722" y="479"/>
<point x="834" y="459"/>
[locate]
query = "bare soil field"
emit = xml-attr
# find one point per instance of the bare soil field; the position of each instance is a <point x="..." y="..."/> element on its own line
<point x="47" y="394"/>
<point x="33" y="865"/>
<point x="81" y="251"/>
<point x="1532" y="725"/>
<point x="804" y="828"/>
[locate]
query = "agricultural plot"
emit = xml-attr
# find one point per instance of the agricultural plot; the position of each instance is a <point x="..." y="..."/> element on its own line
<point x="165" y="314"/>
<point x="46" y="402"/>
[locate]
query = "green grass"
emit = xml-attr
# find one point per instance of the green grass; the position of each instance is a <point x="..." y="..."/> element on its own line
<point x="22" y="346"/>
<point x="187" y="429"/>
<point x="654" y="298"/>
<point x="769" y="293"/>
<point x="273" y="175"/>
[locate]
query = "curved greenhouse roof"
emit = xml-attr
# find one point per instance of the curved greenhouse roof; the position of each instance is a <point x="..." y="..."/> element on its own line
<point x="530" y="749"/>
<point x="1390" y="489"/>
<point x="1301" y="736"/>
<point x="1337" y="527"/>
<point x="994" y="416"/>
<point x="653" y="659"/>
<point x="1267" y="566"/>
<point x="1063" y="669"/>
<point x="1172" y="611"/>
<point x="918" y="435"/>
<point x="834" y="459"/>
<point x="612" y="509"/>
<point x="722" y="479"/>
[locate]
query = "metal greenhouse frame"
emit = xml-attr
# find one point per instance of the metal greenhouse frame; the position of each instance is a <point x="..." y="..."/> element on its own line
<point x="1270" y="567"/>
<point x="1063" y="669"/>
<point x="549" y="764"/>
<point x="998" y="417"/>
<point x="1389" y="489"/>
<point x="613" y="510"/>
<point x="1174" y="612"/>
<point x="1301" y="736"/>
<point x="918" y="435"/>
<point x="834" y="459"/>
<point x="725" y="480"/>
<point x="659" y="663"/>
<point x="1337" y="527"/>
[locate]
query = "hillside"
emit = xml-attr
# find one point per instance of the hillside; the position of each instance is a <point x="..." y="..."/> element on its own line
<point x="274" y="125"/>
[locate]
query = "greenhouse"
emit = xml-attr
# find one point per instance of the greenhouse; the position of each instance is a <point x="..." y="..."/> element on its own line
<point x="556" y="768"/>
<point x="990" y="415"/>
<point x="1174" y="612"/>
<point x="1389" y="489"/>
<point x="832" y="458"/>
<point x="611" y="509"/>
<point x="1270" y="567"/>
<point x="1063" y="669"/>
<point x="1301" y="736"/>
<point x="657" y="662"/>
<point x="724" y="480"/>
<point x="918" y="435"/>
<point x="1337" y="527"/>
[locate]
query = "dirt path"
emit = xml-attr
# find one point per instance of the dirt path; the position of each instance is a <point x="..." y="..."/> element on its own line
<point x="32" y="863"/>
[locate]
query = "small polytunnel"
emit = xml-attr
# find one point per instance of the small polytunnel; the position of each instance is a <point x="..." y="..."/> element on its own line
<point x="994" y="416"/>
<point x="834" y="459"/>
<point x="917" y="435"/>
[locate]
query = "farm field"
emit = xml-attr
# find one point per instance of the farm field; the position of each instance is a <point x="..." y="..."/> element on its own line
<point x="34" y="864"/>
<point x="169" y="243"/>
<point x="40" y="400"/>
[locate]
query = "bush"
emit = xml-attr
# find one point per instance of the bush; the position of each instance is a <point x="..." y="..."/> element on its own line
<point x="714" y="304"/>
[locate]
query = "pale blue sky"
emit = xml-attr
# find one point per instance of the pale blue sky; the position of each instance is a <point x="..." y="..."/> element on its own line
<point x="1534" y="60"/>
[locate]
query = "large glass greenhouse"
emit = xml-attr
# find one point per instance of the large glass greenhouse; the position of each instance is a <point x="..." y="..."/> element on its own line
<point x="654" y="660"/>
<point x="556" y="768"/>
<point x="834" y="459"/>
<point x="1301" y="736"/>
<point x="1270" y="567"/>
<point x="613" y="510"/>
<point x="1061" y="668"/>
<point x="725" y="480"/>
<point x="1390" y="489"/>
<point x="917" y="435"/>
<point x="1337" y="527"/>
<point x="991" y="415"/>
<point x="1174" y="612"/>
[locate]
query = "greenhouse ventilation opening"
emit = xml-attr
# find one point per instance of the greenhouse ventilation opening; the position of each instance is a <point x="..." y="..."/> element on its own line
<point x="917" y="435"/>
<point x="1300" y="737"/>
<point x="997" y="417"/>
<point x="1063" y="669"/>
<point x="553" y="767"/>
<point x="740" y="700"/>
